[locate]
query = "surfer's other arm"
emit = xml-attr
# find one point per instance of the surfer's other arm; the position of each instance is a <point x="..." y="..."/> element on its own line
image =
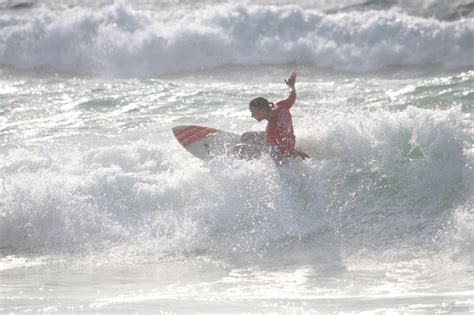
<point x="300" y="154"/>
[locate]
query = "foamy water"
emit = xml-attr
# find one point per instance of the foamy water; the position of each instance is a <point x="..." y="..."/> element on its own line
<point x="119" y="41"/>
<point x="102" y="210"/>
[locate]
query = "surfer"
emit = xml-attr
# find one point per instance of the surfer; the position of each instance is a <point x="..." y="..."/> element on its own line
<point x="279" y="134"/>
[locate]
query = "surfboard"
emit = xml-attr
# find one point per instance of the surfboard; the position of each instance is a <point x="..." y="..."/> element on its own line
<point x="207" y="143"/>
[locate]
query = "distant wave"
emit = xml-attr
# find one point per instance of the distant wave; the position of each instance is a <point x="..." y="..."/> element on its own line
<point x="116" y="40"/>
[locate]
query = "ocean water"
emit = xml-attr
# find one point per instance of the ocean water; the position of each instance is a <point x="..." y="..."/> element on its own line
<point x="102" y="211"/>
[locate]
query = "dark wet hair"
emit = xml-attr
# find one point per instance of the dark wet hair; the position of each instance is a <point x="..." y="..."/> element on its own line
<point x="261" y="103"/>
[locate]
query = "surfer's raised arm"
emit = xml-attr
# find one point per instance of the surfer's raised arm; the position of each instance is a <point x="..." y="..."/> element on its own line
<point x="290" y="100"/>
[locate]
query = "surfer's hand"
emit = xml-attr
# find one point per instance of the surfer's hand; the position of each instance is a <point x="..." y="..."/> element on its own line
<point x="291" y="79"/>
<point x="301" y="154"/>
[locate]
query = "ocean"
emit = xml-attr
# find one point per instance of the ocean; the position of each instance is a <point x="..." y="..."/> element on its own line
<point x="102" y="211"/>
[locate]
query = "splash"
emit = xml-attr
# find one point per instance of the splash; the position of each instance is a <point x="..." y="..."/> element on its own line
<point x="391" y="181"/>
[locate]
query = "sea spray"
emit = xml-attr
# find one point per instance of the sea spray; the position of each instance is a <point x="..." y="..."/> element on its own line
<point x="392" y="180"/>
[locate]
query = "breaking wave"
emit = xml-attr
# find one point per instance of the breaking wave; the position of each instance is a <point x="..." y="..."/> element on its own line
<point x="400" y="181"/>
<point x="116" y="40"/>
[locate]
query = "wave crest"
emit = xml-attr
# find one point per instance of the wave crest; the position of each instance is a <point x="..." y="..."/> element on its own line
<point x="116" y="40"/>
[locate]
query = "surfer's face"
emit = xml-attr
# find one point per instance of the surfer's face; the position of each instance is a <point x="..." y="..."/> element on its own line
<point x="258" y="114"/>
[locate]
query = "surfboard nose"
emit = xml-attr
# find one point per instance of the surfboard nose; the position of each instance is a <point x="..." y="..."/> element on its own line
<point x="189" y="134"/>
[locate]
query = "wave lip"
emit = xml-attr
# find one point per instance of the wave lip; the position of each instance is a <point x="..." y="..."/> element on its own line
<point x="119" y="41"/>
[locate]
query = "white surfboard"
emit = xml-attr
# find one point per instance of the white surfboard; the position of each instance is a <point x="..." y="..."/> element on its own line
<point x="207" y="143"/>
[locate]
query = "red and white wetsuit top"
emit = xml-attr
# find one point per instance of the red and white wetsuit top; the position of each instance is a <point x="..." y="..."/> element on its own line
<point x="279" y="132"/>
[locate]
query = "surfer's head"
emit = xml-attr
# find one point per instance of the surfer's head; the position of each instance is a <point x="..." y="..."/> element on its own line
<point x="260" y="108"/>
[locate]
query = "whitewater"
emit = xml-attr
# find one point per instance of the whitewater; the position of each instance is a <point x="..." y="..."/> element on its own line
<point x="102" y="211"/>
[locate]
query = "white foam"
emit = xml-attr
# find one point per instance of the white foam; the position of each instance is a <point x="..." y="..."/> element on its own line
<point x="391" y="181"/>
<point x="120" y="41"/>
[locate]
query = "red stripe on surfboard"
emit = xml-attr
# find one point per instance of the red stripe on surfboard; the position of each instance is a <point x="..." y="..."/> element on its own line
<point x="187" y="135"/>
<point x="185" y="131"/>
<point x="196" y="137"/>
